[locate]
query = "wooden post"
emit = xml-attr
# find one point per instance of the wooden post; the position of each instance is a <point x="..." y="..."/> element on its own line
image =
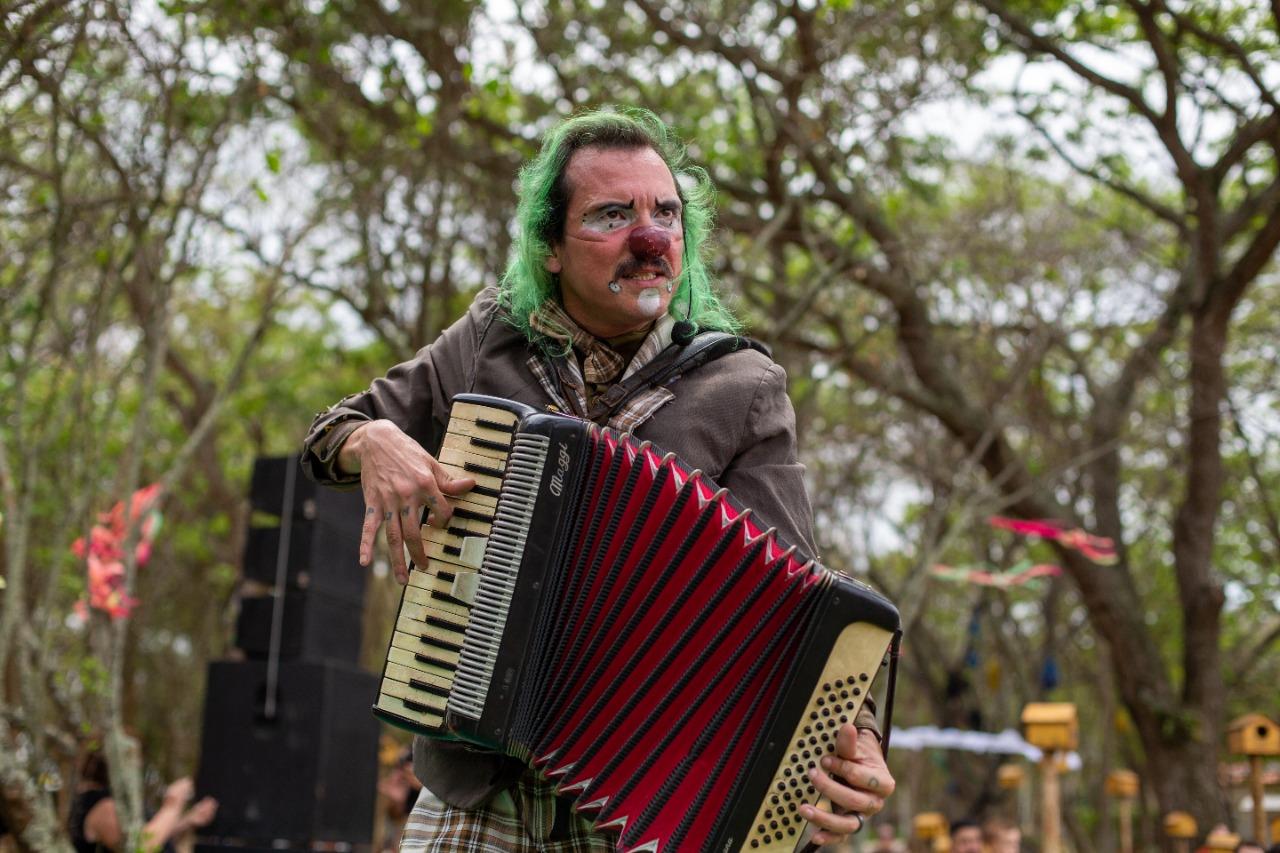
<point x="1011" y="777"/>
<point x="1053" y="728"/>
<point x="1123" y="785"/>
<point x="1255" y="736"/>
<point x="1126" y="826"/>
<point x="1259" y="804"/>
<point x="1050" y="817"/>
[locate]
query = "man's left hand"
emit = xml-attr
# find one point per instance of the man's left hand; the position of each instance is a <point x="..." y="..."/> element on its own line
<point x="856" y="781"/>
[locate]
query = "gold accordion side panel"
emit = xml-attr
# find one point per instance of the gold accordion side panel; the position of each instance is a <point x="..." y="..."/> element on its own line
<point x="845" y="681"/>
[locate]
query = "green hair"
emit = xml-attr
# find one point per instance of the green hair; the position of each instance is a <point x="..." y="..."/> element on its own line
<point x="544" y="201"/>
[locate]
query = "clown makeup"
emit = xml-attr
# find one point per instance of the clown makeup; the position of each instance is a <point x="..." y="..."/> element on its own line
<point x="623" y="236"/>
<point x="649" y="301"/>
<point x="614" y="216"/>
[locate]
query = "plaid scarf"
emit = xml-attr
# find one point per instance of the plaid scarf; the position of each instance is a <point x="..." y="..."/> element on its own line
<point x="566" y="382"/>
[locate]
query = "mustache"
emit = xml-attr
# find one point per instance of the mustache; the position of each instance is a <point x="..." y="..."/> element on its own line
<point x="633" y="265"/>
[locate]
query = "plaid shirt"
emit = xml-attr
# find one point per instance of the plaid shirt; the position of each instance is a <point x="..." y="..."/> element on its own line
<point x="566" y="382"/>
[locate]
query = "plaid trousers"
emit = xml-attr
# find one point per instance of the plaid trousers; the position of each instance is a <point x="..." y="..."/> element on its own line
<point x="521" y="819"/>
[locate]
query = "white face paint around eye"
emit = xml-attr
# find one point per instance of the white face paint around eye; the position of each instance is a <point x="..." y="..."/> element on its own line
<point x="615" y="217"/>
<point x="649" y="301"/>
<point x="609" y="219"/>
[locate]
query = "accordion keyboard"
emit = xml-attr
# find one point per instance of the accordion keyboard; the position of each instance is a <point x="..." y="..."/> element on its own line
<point x="436" y="604"/>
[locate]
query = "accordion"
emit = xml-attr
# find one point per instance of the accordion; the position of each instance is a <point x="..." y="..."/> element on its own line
<point x="616" y="621"/>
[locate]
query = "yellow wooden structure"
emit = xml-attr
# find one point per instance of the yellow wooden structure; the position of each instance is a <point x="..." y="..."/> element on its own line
<point x="1180" y="825"/>
<point x="1122" y="784"/>
<point x="1050" y="725"/>
<point x="1253" y="734"/>
<point x="929" y="825"/>
<point x="1257" y="737"/>
<point x="1222" y="841"/>
<point x="1010" y="776"/>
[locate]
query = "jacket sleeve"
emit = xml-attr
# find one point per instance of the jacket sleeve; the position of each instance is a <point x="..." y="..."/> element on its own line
<point x="414" y="395"/>
<point x="766" y="475"/>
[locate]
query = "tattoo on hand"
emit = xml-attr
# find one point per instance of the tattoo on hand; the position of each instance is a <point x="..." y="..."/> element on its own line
<point x="405" y="512"/>
<point x="873" y="783"/>
<point x="368" y="510"/>
<point x="386" y="516"/>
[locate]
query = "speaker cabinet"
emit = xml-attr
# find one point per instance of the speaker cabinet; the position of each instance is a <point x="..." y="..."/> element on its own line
<point x="306" y="777"/>
<point x="314" y="627"/>
<point x="323" y="551"/>
<point x="322" y="556"/>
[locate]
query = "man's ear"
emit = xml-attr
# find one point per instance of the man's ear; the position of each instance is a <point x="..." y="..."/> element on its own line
<point x="552" y="263"/>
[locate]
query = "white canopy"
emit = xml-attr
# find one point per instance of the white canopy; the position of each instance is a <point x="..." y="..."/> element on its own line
<point x="1005" y="742"/>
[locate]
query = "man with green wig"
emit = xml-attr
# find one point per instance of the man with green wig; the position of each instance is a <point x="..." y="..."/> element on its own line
<point x="606" y="311"/>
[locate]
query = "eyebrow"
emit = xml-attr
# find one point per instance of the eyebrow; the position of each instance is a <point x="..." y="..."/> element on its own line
<point x="605" y="205"/>
<point x="663" y="204"/>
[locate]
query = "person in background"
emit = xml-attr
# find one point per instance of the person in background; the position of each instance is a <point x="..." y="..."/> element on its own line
<point x="400" y="788"/>
<point x="1001" y="836"/>
<point x="966" y="836"/>
<point x="887" y="839"/>
<point x="95" y="826"/>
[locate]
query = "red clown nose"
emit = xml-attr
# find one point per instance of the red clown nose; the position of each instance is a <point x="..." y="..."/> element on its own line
<point x="649" y="242"/>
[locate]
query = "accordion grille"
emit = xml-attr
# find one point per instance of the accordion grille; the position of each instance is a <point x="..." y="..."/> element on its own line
<point x="498" y="573"/>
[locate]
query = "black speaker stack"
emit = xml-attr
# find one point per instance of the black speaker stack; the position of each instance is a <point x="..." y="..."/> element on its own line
<point x="290" y="748"/>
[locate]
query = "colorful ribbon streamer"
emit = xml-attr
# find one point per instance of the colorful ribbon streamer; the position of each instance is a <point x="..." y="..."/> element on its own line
<point x="1099" y="549"/>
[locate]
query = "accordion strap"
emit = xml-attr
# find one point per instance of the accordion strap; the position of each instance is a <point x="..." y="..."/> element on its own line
<point x="671" y="362"/>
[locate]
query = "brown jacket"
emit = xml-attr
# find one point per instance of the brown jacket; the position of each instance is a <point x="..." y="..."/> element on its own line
<point x="730" y="418"/>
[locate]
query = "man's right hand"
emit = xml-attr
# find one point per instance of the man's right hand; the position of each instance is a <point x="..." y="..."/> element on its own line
<point x="399" y="479"/>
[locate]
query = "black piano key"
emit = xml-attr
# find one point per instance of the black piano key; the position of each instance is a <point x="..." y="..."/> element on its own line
<point x="437" y="622"/>
<point x="487" y="491"/>
<point x="489" y="443"/>
<point x="419" y="707"/>
<point x="477" y="468"/>
<point x="430" y="660"/>
<point x="447" y="577"/>
<point x="444" y="596"/>
<point x="498" y="425"/>
<point x="428" y="687"/>
<point x="441" y="644"/>
<point x="463" y="512"/>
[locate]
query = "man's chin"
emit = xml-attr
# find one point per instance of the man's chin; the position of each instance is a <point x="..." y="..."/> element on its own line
<point x="650" y="303"/>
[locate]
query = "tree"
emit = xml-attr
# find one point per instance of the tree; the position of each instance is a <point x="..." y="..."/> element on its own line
<point x="1195" y="94"/>
<point x="110" y="151"/>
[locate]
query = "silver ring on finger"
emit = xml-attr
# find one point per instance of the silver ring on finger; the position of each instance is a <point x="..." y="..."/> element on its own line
<point x="860" y="823"/>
